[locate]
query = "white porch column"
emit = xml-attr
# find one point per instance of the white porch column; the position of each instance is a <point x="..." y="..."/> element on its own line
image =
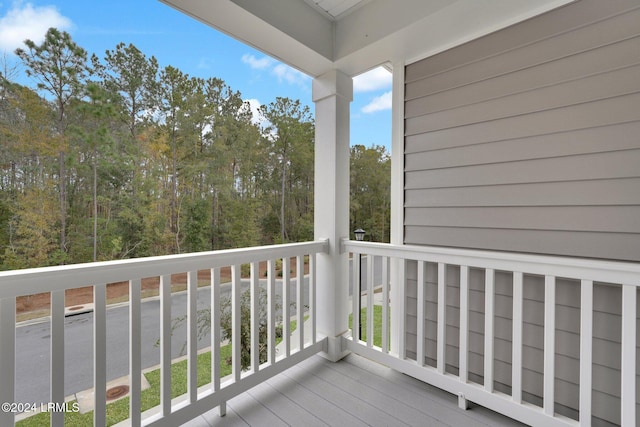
<point x="332" y="94"/>
<point x="397" y="209"/>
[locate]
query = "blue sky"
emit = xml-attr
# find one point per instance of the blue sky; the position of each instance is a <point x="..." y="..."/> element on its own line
<point x="178" y="40"/>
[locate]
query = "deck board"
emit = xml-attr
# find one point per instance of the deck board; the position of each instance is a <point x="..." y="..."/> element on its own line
<point x="441" y="405"/>
<point x="359" y="390"/>
<point x="253" y="412"/>
<point x="440" y="410"/>
<point x="352" y="392"/>
<point x="367" y="413"/>
<point x="289" y="410"/>
<point x="212" y="418"/>
<point x="313" y="403"/>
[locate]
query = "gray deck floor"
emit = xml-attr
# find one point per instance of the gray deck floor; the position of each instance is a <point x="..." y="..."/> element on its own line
<point x="352" y="392"/>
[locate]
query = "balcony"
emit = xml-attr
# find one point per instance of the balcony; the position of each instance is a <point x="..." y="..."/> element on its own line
<point x="296" y="386"/>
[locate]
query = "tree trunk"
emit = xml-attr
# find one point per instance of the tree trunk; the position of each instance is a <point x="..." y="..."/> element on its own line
<point x="63" y="202"/>
<point x="174" y="182"/>
<point x="282" y="193"/>
<point x="95" y="207"/>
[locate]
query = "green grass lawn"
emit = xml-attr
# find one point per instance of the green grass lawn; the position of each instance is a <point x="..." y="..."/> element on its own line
<point x="119" y="411"/>
<point x="377" y="324"/>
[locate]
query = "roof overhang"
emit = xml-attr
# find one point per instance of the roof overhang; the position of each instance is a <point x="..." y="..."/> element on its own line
<point x="308" y="37"/>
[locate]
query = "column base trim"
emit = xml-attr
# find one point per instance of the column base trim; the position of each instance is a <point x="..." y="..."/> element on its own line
<point x="334" y="350"/>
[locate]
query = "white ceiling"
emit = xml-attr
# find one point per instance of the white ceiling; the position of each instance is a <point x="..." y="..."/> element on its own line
<point x="354" y="36"/>
<point x="335" y="9"/>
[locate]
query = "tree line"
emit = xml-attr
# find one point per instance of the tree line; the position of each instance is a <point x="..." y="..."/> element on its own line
<point x="117" y="157"/>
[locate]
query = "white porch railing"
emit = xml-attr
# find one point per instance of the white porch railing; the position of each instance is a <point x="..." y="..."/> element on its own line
<point x="171" y="412"/>
<point x="582" y="272"/>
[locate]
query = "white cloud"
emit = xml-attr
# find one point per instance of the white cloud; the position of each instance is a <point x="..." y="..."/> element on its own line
<point x="257" y="118"/>
<point x="257" y="63"/>
<point x="25" y="21"/>
<point x="379" y="103"/>
<point x="290" y="75"/>
<point x="376" y="79"/>
<point x="205" y="64"/>
<point x="283" y="72"/>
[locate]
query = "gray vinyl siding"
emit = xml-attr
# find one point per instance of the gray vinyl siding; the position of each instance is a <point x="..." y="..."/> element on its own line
<point x="530" y="135"/>
<point x="528" y="140"/>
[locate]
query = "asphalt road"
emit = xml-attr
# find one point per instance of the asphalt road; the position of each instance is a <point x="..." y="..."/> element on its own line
<point x="33" y="341"/>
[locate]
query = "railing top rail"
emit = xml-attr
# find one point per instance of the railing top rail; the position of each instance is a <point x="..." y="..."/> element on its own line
<point x="35" y="280"/>
<point x="567" y="267"/>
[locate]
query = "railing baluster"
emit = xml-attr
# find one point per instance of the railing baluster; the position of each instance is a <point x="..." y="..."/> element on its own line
<point x="271" y="310"/>
<point x="628" y="365"/>
<point x="312" y="296"/>
<point x="516" y="337"/>
<point x="215" y="329"/>
<point x="300" y="300"/>
<point x="355" y="297"/>
<point x="586" y="348"/>
<point x="255" y="318"/>
<point x="464" y="324"/>
<point x="99" y="355"/>
<point x="57" y="355"/>
<point x="442" y="318"/>
<point x="165" y="344"/>
<point x="135" y="351"/>
<point x="385" y="305"/>
<point x="286" y="308"/>
<point x="236" y="347"/>
<point x="489" y="303"/>
<point x="399" y="312"/>
<point x="192" y="335"/>
<point x="420" y="315"/>
<point x="370" y="289"/>
<point x="7" y="357"/>
<point x="216" y="336"/>
<point x="549" y="344"/>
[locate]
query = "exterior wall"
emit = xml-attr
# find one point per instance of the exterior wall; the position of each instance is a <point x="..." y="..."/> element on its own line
<point x="526" y="140"/>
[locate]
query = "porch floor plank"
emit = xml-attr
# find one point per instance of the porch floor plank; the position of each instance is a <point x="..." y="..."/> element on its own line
<point x="436" y="403"/>
<point x="211" y="418"/>
<point x="359" y="390"/>
<point x="348" y="401"/>
<point x="314" y="403"/>
<point x="253" y="412"/>
<point x="352" y="392"/>
<point x="420" y="397"/>
<point x="289" y="410"/>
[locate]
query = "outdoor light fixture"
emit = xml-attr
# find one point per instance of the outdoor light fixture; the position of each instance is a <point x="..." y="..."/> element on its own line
<point x="359" y="237"/>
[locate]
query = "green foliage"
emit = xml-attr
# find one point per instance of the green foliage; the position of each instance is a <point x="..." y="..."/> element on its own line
<point x="245" y="326"/>
<point x="5" y="218"/>
<point x="60" y="68"/>
<point x="197" y="228"/>
<point x="33" y="231"/>
<point x="131" y="160"/>
<point x="291" y="142"/>
<point x="204" y="325"/>
<point x="371" y="192"/>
